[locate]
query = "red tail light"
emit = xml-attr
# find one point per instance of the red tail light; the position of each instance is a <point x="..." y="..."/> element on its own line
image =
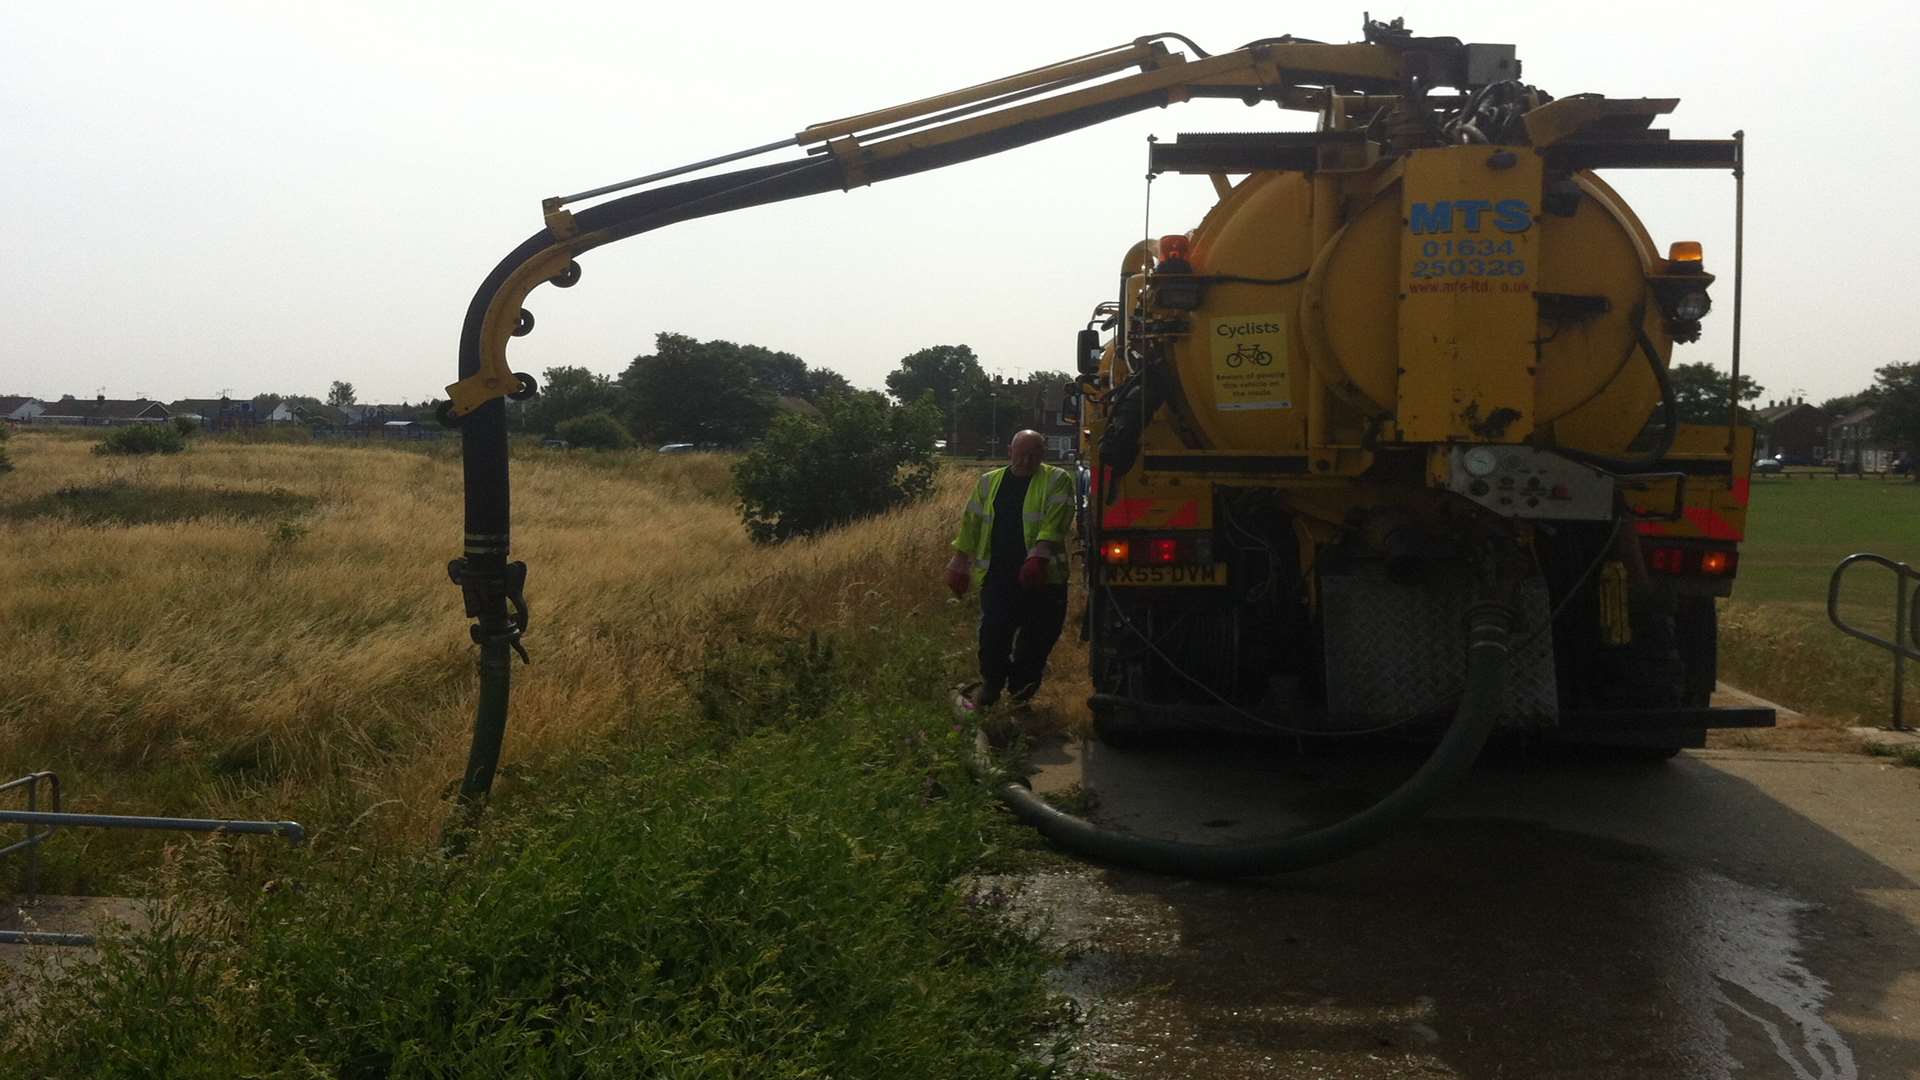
<point x="1692" y="561"/>
<point x="1115" y="552"/>
<point x="1163" y="549"/>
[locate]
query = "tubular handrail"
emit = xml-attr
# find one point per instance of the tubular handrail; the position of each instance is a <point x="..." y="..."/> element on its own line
<point x="49" y="820"/>
<point x="292" y="830"/>
<point x="35" y="837"/>
<point x="1905" y="644"/>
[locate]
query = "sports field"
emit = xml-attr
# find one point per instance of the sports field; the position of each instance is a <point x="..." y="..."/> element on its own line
<point x="1775" y="639"/>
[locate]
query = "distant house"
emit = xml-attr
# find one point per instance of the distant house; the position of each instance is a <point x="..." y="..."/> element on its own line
<point x="19" y="409"/>
<point x="101" y="410"/>
<point x="214" y="413"/>
<point x="1058" y="418"/>
<point x="273" y="409"/>
<point x="1792" y="430"/>
<point x="1858" y="445"/>
<point x="313" y="412"/>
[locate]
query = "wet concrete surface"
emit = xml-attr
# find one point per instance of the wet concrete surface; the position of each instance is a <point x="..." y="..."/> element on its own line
<point x="1724" y="914"/>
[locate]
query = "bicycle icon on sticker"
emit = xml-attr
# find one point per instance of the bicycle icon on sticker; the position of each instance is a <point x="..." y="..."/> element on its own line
<point x="1246" y="351"/>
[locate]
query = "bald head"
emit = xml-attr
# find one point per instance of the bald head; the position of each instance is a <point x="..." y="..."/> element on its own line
<point x="1025" y="452"/>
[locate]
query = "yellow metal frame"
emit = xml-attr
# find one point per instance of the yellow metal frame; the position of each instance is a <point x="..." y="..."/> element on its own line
<point x="1288" y="73"/>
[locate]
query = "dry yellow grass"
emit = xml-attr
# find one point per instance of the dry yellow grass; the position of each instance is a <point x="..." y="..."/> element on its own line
<point x="320" y="668"/>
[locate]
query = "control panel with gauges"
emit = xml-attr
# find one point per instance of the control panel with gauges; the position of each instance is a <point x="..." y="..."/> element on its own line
<point x="1521" y="482"/>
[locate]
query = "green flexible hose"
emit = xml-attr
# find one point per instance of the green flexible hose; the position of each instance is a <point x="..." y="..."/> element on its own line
<point x="1473" y="722"/>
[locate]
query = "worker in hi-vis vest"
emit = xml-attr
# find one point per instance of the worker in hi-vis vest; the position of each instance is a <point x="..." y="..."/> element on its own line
<point x="1013" y="542"/>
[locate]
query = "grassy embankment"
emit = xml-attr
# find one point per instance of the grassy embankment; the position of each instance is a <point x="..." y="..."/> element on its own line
<point x="721" y="847"/>
<point x="1775" y="639"/>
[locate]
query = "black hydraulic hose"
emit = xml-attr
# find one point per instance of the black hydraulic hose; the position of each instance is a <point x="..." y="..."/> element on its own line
<point x="1669" y="415"/>
<point x="1477" y="715"/>
<point x="484" y="567"/>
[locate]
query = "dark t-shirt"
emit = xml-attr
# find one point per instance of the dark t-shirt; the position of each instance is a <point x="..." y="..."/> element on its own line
<point x="1009" y="534"/>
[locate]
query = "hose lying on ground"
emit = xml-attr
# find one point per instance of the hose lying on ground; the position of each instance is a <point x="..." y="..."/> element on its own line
<point x="1473" y="722"/>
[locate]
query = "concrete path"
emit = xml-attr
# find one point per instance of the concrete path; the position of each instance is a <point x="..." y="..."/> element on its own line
<point x="1728" y="913"/>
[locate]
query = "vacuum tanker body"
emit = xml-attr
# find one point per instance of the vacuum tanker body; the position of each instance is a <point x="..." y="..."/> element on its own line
<point x="1390" y="343"/>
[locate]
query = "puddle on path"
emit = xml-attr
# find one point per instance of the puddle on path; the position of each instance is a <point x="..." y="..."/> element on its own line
<point x="1473" y="948"/>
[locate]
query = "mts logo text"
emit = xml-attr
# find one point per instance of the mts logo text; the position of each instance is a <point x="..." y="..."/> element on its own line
<point x="1445" y="215"/>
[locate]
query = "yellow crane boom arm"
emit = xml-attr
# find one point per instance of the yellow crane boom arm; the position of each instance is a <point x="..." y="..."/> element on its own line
<point x="946" y="129"/>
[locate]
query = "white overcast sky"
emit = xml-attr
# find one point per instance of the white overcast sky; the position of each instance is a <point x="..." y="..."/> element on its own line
<point x="202" y="196"/>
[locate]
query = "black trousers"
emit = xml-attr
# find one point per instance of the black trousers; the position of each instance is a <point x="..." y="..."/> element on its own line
<point x="1018" y="628"/>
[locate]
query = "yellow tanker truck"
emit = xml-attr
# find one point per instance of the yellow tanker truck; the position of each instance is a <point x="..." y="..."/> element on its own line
<point x="1426" y="324"/>
<point x="1386" y="438"/>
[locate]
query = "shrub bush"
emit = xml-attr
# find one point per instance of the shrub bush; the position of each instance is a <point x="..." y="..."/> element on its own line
<point x="6" y="463"/>
<point x="142" y="439"/>
<point x="187" y="426"/>
<point x="594" y="431"/>
<point x="862" y="456"/>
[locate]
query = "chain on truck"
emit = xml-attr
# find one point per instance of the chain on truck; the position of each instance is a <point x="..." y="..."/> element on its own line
<point x="1385" y="443"/>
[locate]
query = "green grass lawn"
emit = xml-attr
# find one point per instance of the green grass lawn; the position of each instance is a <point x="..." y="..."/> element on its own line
<point x="1775" y="637"/>
<point x="1800" y="527"/>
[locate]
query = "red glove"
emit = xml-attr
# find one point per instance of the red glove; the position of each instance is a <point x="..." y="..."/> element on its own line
<point x="958" y="578"/>
<point x="1033" y="572"/>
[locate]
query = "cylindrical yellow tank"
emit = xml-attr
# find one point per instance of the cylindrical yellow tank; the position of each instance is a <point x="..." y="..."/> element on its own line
<point x="1526" y="333"/>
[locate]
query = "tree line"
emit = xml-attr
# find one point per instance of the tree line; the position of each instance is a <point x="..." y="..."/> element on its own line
<point x="726" y="394"/>
<point x="1700" y="394"/>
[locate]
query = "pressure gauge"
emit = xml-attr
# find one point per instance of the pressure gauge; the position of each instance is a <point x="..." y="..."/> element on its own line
<point x="1481" y="461"/>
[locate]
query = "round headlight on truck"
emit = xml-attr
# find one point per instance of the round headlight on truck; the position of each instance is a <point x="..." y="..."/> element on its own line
<point x="1693" y="306"/>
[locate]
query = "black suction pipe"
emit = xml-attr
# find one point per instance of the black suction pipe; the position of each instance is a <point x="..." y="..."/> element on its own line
<point x="489" y="583"/>
<point x="1475" y="719"/>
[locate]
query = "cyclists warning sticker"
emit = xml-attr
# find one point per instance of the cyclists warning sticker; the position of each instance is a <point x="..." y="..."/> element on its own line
<point x="1250" y="362"/>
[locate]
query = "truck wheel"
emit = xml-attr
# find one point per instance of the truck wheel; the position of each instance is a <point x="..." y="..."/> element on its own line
<point x="1651" y="673"/>
<point x="1697" y="633"/>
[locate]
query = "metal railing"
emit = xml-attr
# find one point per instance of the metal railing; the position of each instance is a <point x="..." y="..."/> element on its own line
<point x="41" y="824"/>
<point x="35" y="837"/>
<point x="1905" y="644"/>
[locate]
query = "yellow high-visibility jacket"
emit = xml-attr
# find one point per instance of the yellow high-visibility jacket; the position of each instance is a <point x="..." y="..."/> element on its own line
<point x="1047" y="514"/>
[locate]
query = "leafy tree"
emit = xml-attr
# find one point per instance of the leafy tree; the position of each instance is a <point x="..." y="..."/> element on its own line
<point x="142" y="439"/>
<point x="950" y="373"/>
<point x="1895" y="398"/>
<point x="824" y="382"/>
<point x="862" y="456"/>
<point x="1049" y="380"/>
<point x="1838" y="407"/>
<point x="780" y="373"/>
<point x="595" y="431"/>
<point x="340" y="393"/>
<point x="694" y="391"/>
<point x="1700" y="392"/>
<point x="567" y="392"/>
<point x="992" y="409"/>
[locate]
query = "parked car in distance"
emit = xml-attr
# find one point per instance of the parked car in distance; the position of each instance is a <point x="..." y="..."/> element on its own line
<point x="552" y="443"/>
<point x="676" y="447"/>
<point x="1768" y="465"/>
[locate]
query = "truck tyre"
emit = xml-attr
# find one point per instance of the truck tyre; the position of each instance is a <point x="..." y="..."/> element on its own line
<point x="1651" y="672"/>
<point x="1697" y="633"/>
